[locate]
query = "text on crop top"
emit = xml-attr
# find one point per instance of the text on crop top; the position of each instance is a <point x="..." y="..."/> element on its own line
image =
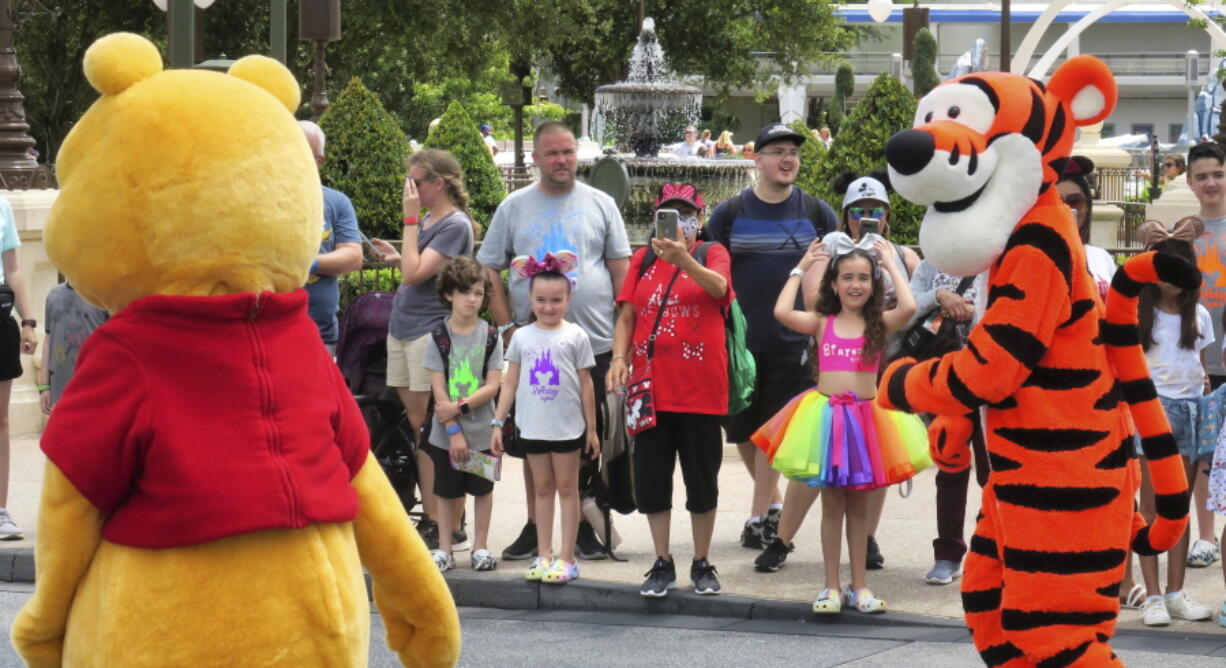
<point x="835" y="353"/>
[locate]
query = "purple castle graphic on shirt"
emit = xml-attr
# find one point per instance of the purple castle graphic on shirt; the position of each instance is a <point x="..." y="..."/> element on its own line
<point x="544" y="372"/>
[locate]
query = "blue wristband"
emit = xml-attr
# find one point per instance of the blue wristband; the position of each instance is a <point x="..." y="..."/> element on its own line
<point x="453" y="430"/>
<point x="314" y="267"/>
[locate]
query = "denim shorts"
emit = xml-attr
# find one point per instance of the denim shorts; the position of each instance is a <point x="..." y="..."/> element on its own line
<point x="1182" y="414"/>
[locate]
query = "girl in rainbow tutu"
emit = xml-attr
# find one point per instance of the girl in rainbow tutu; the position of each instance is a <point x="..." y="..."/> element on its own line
<point x="834" y="435"/>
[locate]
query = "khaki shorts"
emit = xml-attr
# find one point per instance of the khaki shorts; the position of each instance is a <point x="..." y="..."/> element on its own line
<point x="404" y="363"/>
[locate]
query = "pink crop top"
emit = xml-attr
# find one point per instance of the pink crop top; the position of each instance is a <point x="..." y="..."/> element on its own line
<point x="835" y="353"/>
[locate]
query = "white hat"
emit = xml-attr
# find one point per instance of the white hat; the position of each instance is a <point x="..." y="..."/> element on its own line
<point x="865" y="187"/>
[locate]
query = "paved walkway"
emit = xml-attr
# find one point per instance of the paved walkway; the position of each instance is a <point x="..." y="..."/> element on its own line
<point x="905" y="536"/>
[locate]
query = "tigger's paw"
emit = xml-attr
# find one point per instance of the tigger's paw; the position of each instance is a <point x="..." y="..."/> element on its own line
<point x="949" y="442"/>
<point x="889" y="396"/>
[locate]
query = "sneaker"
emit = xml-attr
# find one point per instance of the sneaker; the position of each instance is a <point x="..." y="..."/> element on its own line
<point x="561" y="572"/>
<point x="773" y="556"/>
<point x="443" y="560"/>
<point x="1153" y="612"/>
<point x="828" y="603"/>
<point x="661" y="578"/>
<point x="460" y="542"/>
<point x="702" y="574"/>
<point x="1202" y="554"/>
<point x="524" y="547"/>
<point x="751" y="535"/>
<point x="587" y="545"/>
<point x="8" y="528"/>
<point x="483" y="560"/>
<point x="428" y="529"/>
<point x="873" y="560"/>
<point x="863" y="600"/>
<point x="1179" y="606"/>
<point x="537" y="570"/>
<point x="943" y="572"/>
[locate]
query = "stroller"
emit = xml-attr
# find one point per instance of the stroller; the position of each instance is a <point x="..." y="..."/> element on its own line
<point x="361" y="354"/>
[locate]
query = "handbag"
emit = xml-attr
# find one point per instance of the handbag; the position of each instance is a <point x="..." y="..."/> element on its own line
<point x="640" y="391"/>
<point x="934" y="335"/>
<point x="6" y="301"/>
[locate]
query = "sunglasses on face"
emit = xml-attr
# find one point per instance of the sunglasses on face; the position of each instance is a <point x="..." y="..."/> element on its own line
<point x="1168" y="165"/>
<point x="857" y="212"/>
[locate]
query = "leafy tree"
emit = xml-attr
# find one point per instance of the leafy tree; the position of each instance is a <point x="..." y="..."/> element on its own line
<point x="844" y="88"/>
<point x="458" y="134"/>
<point x="924" y="63"/>
<point x="365" y="156"/>
<point x="812" y="155"/>
<point x="887" y="108"/>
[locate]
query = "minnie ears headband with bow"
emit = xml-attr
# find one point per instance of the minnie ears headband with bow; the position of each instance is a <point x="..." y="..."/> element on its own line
<point x="526" y="266"/>
<point x="838" y="243"/>
<point x="1186" y="229"/>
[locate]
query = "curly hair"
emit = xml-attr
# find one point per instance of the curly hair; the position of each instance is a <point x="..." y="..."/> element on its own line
<point x="828" y="304"/>
<point x="461" y="274"/>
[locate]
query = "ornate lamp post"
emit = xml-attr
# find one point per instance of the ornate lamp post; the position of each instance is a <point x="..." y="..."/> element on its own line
<point x="17" y="168"/>
<point x="319" y="21"/>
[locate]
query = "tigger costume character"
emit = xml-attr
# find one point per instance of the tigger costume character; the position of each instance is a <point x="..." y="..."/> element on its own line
<point x="1050" y="373"/>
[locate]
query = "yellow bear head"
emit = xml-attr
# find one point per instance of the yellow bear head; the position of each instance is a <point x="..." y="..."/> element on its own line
<point x="184" y="182"/>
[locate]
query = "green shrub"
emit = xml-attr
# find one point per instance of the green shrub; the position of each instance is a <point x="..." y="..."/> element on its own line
<point x="924" y="62"/>
<point x="457" y="133"/>
<point x="812" y="155"/>
<point x="381" y="279"/>
<point x="859" y="147"/>
<point x="365" y="154"/>
<point x="844" y="88"/>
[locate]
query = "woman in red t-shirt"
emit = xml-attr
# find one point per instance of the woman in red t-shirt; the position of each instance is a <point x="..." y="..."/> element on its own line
<point x="689" y="370"/>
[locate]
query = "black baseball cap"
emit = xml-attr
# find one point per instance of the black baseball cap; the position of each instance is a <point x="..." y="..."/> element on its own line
<point x="774" y="132"/>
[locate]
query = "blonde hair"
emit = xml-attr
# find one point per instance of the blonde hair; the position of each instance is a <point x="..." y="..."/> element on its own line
<point x="439" y="164"/>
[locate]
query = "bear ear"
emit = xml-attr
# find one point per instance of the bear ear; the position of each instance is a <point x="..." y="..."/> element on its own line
<point x="270" y="75"/>
<point x="115" y="62"/>
<point x="1087" y="85"/>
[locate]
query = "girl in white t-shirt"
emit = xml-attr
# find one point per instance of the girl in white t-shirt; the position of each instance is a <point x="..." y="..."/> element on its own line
<point x="1074" y="190"/>
<point x="1175" y="330"/>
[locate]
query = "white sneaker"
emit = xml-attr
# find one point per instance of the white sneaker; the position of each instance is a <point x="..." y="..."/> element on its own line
<point x="8" y="528"/>
<point x="1153" y="612"/>
<point x="1202" y="554"/>
<point x="443" y="560"/>
<point x="1178" y="605"/>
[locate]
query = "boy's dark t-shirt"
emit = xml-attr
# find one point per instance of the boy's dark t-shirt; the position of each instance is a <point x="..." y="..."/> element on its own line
<point x="766" y="242"/>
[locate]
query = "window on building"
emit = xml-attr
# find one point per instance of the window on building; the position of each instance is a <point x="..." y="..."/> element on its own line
<point x="1108" y="129"/>
<point x="1142" y="129"/>
<point x="1173" y="132"/>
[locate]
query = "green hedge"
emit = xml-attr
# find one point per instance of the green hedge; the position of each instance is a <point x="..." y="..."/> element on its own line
<point x="812" y="155"/>
<point x="924" y="62"/>
<point x="457" y="133"/>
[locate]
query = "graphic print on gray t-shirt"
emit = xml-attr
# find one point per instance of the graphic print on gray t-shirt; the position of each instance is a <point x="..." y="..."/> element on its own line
<point x="69" y="321"/>
<point x="463" y="378"/>
<point x="548" y="400"/>
<point x="1211" y="258"/>
<point x="416" y="309"/>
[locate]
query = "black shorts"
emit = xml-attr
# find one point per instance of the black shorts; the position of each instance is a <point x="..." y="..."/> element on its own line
<point x="692" y="438"/>
<point x="545" y="447"/>
<point x="781" y="376"/>
<point x="451" y="483"/>
<point x="10" y="349"/>
<point x="514" y="446"/>
<point x="1215" y="381"/>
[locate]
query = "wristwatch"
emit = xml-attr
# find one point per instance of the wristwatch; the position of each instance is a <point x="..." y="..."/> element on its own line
<point x="796" y="271"/>
<point x="33" y="324"/>
<point x="497" y="423"/>
<point x="464" y="408"/>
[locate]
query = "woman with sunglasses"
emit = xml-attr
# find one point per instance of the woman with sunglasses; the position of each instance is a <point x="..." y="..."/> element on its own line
<point x="1074" y="189"/>
<point x="1173" y="167"/>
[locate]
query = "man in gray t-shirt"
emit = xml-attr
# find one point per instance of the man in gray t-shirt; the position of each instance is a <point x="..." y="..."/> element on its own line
<point x="464" y="377"/>
<point x="69" y="321"/>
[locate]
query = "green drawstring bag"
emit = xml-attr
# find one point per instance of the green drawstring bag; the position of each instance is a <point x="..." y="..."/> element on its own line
<point x="742" y="371"/>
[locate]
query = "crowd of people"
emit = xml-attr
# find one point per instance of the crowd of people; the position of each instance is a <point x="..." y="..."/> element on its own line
<point x="827" y="297"/>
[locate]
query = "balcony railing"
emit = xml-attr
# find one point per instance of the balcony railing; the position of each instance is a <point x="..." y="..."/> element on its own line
<point x="1122" y="64"/>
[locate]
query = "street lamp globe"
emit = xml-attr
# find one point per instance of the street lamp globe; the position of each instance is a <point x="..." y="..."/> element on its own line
<point x="880" y="10"/>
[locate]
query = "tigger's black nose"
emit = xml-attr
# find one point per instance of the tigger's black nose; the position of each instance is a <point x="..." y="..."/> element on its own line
<point x="910" y="151"/>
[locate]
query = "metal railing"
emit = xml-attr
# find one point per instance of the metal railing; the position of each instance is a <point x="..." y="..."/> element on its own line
<point x="514" y="178"/>
<point x="1122" y="64"/>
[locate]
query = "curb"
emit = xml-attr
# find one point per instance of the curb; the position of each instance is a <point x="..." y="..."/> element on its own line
<point x="17" y="564"/>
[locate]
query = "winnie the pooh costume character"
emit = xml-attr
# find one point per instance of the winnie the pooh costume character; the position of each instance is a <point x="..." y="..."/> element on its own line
<point x="209" y="497"/>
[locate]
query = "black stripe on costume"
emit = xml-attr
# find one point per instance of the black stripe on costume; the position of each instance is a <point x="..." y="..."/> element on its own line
<point x="932" y="371"/>
<point x="897" y="389"/>
<point x="1142" y="546"/>
<point x="1051" y="440"/>
<point x="984" y="547"/>
<point x="1078" y="309"/>
<point x="1118" y="335"/>
<point x="974" y="350"/>
<point x="1111" y="400"/>
<point x="1159" y="446"/>
<point x="1050" y="378"/>
<point x="1037" y="121"/>
<point x="1118" y="458"/>
<point x="1063" y="563"/>
<point x="1027" y="620"/>
<point x="1047" y="241"/>
<point x="1065" y="657"/>
<point x="1055" y="131"/>
<point x="1002" y="463"/>
<point x="1126" y="285"/>
<point x="986" y="88"/>
<point x="985" y="600"/>
<point x="998" y="655"/>
<point x="1019" y="343"/>
<point x="1110" y="591"/>
<point x="1005" y="404"/>
<point x="1172" y="269"/>
<point x="1051" y="499"/>
<point x="1005" y="291"/>
<point x="1171" y="506"/>
<point x="1138" y="391"/>
<point x="961" y="392"/>
<point x="1042" y="88"/>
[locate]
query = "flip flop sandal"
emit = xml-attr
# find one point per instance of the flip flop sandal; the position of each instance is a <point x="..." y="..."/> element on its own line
<point x="1134" y="599"/>
<point x="828" y="602"/>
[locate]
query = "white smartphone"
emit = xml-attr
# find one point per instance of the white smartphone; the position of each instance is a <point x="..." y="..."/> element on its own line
<point x="666" y="223"/>
<point x="869" y="226"/>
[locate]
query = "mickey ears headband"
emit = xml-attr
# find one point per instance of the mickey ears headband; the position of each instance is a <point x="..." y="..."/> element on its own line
<point x="527" y="266"/>
<point x="838" y="243"/>
<point x="1078" y="165"/>
<point x="1187" y="229"/>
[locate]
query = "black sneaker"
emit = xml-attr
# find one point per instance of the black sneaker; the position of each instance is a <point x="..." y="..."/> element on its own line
<point x="428" y="529"/>
<point x="524" y="547"/>
<point x="702" y="573"/>
<point x="773" y="556"/>
<point x="873" y="560"/>
<point x="661" y="578"/>
<point x="459" y="541"/>
<point x="587" y="545"/>
<point x="751" y="535"/>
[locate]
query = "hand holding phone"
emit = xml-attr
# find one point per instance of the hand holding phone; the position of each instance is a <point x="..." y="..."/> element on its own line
<point x="666" y="223"/>
<point x="869" y="226"/>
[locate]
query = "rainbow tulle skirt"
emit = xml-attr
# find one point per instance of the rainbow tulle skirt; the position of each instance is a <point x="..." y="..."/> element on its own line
<point x="844" y="441"/>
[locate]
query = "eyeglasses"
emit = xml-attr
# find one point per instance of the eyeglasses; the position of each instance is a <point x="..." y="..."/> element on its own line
<point x="857" y="212"/>
<point x="1075" y="200"/>
<point x="691" y="132"/>
<point x="780" y="154"/>
<point x="1168" y="165"/>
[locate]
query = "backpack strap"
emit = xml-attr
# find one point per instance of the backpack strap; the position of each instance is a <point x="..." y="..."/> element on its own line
<point x="442" y="341"/>
<point x="491" y="340"/>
